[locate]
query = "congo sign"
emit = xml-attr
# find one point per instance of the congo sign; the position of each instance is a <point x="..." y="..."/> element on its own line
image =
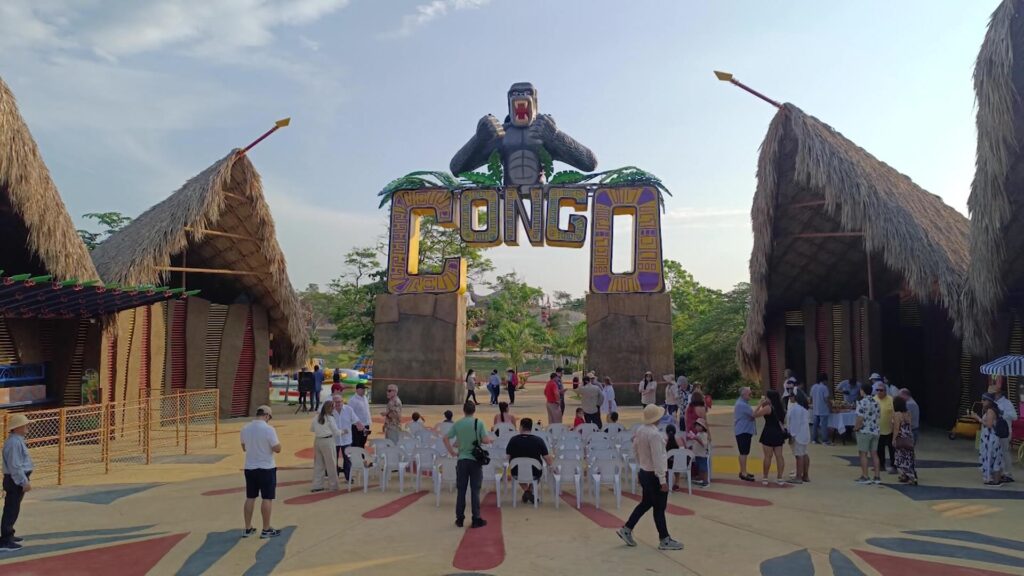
<point x="506" y="211"/>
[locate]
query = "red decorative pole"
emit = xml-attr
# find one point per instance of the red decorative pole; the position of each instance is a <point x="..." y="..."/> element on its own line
<point x="727" y="77"/>
<point x="279" y="124"/>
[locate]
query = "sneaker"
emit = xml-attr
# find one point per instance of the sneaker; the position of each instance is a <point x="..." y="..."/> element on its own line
<point x="994" y="483"/>
<point x="526" y="498"/>
<point x="18" y="540"/>
<point x="795" y="481"/>
<point x="669" y="544"/>
<point x="876" y="480"/>
<point x="317" y="490"/>
<point x="1005" y="480"/>
<point x="863" y="480"/>
<point x="248" y="532"/>
<point x="891" y="470"/>
<point x="627" y="536"/>
<point x="828" y="443"/>
<point x="459" y="522"/>
<point x="478" y="523"/>
<point x="10" y="547"/>
<point x="269" y="533"/>
<point x="530" y="498"/>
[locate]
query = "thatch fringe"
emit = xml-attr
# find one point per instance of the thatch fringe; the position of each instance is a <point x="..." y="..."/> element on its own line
<point x="913" y="231"/>
<point x="34" y="198"/>
<point x="133" y="255"/>
<point x="990" y="203"/>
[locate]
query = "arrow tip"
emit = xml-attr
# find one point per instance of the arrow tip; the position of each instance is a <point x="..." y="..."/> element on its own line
<point x="283" y="122"/>
<point x="723" y="76"/>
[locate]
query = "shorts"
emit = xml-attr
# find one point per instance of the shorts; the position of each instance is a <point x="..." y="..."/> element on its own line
<point x="743" y="443"/>
<point x="671" y="408"/>
<point x="261" y="483"/>
<point x="701" y="462"/>
<point x="867" y="442"/>
<point x="799" y="449"/>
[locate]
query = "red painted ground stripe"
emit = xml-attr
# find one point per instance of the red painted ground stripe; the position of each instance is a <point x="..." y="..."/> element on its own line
<point x="306" y="453"/>
<point x="895" y="566"/>
<point x="672" y="508"/>
<point x="741" y="500"/>
<point x="756" y="484"/>
<point x="321" y="496"/>
<point x="482" y="548"/>
<point x="395" y="506"/>
<point x="239" y="489"/>
<point x="131" y="559"/>
<point x="597" y="515"/>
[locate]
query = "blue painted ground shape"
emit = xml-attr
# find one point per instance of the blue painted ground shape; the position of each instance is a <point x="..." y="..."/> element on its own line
<point x="929" y="464"/>
<point x="105" y="497"/>
<point x="926" y="493"/>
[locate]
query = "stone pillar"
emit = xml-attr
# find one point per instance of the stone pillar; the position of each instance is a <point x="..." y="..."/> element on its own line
<point x="419" y="343"/>
<point x="628" y="334"/>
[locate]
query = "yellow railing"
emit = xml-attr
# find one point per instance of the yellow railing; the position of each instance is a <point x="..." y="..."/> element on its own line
<point x="83" y="440"/>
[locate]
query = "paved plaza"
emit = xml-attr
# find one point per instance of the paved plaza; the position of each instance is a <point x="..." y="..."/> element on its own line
<point x="184" y="517"/>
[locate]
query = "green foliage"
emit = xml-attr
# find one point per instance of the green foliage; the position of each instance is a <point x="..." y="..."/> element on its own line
<point x="438" y="243"/>
<point x="316" y="308"/>
<point x="509" y="325"/>
<point x="110" y="221"/>
<point x="362" y="261"/>
<point x="494" y="168"/>
<point x="566" y="177"/>
<point x="627" y="175"/>
<point x="480" y="179"/>
<point x="565" y="301"/>
<point x="353" y="307"/>
<point x="417" y="180"/>
<point x="547" y="163"/>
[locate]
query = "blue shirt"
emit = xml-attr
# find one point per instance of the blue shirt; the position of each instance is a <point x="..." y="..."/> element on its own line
<point x="318" y="378"/>
<point x="821" y="397"/>
<point x="17" y="461"/>
<point x="743" y="418"/>
<point x="850" y="391"/>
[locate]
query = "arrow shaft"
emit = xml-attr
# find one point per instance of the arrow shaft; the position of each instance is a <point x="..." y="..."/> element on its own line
<point x="755" y="93"/>
<point x="258" y="140"/>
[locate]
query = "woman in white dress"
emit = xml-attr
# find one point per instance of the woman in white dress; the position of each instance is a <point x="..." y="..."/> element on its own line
<point x="608" y="405"/>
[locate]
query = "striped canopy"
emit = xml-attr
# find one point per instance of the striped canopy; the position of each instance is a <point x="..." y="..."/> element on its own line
<point x="1012" y="365"/>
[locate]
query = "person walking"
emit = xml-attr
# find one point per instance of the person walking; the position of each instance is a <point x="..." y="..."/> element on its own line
<point x="17" y="468"/>
<point x="551" y="399"/>
<point x="904" y="442"/>
<point x="772" y="435"/>
<point x="885" y="428"/>
<point x="336" y="377"/>
<point x="744" y="426"/>
<point x="361" y="406"/>
<point x="915" y="413"/>
<point x="325" y="453"/>
<point x="608" y="404"/>
<point x="393" y="415"/>
<point x="467" y="433"/>
<point x="648" y="389"/>
<point x="821" y="409"/>
<point x="990" y="449"/>
<point x="260" y="443"/>
<point x="318" y="385"/>
<point x="590" y="400"/>
<point x="494" y="386"/>
<point x="866" y="427"/>
<point x="1008" y="413"/>
<point x="649" y="451"/>
<point x="471" y="385"/>
<point x="513" y="383"/>
<point x="348" y="424"/>
<point x="559" y="374"/>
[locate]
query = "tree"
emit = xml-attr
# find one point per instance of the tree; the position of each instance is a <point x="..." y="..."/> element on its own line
<point x="317" y="307"/>
<point x="565" y="301"/>
<point x="353" y="309"/>
<point x="510" y="325"/>
<point x="438" y="243"/>
<point x="361" y="261"/>
<point x="110" y="221"/>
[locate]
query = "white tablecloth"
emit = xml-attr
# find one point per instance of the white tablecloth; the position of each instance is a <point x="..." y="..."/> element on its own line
<point x="840" y="420"/>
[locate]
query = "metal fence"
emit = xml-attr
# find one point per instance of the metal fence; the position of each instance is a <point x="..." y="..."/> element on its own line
<point x="82" y="440"/>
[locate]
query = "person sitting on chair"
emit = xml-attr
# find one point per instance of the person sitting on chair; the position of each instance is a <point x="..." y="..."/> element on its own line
<point x="526" y="445"/>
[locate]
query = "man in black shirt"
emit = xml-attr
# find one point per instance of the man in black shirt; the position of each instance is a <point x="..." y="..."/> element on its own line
<point x="526" y="445"/>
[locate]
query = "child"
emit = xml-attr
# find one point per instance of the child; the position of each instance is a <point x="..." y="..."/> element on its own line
<point x="671" y="444"/>
<point x="17" y="469"/>
<point x="579" y="418"/>
<point x="700" y="440"/>
<point x="798" y="423"/>
<point x="418" y="424"/>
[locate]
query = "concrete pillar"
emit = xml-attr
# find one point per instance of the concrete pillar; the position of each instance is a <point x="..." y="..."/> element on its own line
<point x="419" y="343"/>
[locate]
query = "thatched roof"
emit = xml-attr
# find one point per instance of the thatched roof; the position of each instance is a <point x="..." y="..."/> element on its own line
<point x="997" y="193"/>
<point x="36" y="232"/>
<point x="228" y="198"/>
<point x="812" y="180"/>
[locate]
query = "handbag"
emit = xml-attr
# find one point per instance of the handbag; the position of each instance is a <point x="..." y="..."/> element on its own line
<point x="479" y="454"/>
<point x="903" y="442"/>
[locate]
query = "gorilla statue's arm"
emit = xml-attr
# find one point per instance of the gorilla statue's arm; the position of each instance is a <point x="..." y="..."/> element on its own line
<point x="562" y="147"/>
<point x="477" y="151"/>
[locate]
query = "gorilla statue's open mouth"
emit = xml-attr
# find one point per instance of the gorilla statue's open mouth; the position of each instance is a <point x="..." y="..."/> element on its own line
<point x="522" y="111"/>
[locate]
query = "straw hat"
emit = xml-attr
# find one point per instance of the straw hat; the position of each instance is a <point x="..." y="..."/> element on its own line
<point x="652" y="413"/>
<point x="669" y="378"/>
<point x="17" y="421"/>
<point x="265" y="409"/>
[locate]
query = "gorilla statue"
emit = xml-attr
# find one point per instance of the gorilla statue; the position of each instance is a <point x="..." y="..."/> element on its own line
<point x="519" y="141"/>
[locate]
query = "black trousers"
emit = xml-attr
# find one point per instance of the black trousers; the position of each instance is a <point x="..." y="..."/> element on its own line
<point x="470" y="393"/>
<point x="885" y="440"/>
<point x="511" y="395"/>
<point x="344" y="463"/>
<point x="653" y="497"/>
<point x="302" y="401"/>
<point x="468" y="474"/>
<point x="12" y="508"/>
<point x="358" y="438"/>
<point x="594" y="418"/>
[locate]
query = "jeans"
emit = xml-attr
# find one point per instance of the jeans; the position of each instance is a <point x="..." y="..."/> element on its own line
<point x="594" y="418"/>
<point x="916" y="432"/>
<point x="883" y="441"/>
<point x="345" y="463"/>
<point x="12" y="507"/>
<point x="471" y="393"/>
<point x="511" y="395"/>
<point x="315" y="399"/>
<point x="494" y="394"/>
<point x="468" y="473"/>
<point x="653" y="497"/>
<point x="820" y="425"/>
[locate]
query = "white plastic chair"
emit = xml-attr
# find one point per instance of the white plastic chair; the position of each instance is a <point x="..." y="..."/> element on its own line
<point x="360" y="463"/>
<point x="613" y="428"/>
<point x="571" y="454"/>
<point x="606" y="473"/>
<point x="445" y="472"/>
<point x="570" y="443"/>
<point x="596" y="443"/>
<point x="390" y="460"/>
<point x="603" y="454"/>
<point x="629" y="461"/>
<point x="378" y="444"/>
<point x="586" y="429"/>
<point x="681" y="462"/>
<point x="408" y="445"/>
<point x="503" y="429"/>
<point x="524" y="475"/>
<point x="709" y="463"/>
<point x="556" y="430"/>
<point x="565" y="466"/>
<point x="494" y="473"/>
<point x="424" y="459"/>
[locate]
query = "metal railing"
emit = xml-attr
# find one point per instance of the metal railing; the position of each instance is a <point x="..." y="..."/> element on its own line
<point x="83" y="440"/>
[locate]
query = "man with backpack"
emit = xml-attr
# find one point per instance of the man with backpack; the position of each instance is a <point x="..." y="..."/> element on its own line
<point x="469" y="434"/>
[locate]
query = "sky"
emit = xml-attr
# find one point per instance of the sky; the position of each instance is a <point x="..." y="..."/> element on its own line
<point x="128" y="99"/>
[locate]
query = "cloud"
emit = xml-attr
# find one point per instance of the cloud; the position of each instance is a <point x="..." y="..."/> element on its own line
<point x="714" y="217"/>
<point x="426" y="13"/>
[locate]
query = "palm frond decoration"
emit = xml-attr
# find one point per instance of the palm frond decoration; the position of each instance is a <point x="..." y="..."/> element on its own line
<point x="494" y="168"/>
<point x="547" y="163"/>
<point x="417" y="180"/>
<point x="480" y="179"/>
<point x="628" y="175"/>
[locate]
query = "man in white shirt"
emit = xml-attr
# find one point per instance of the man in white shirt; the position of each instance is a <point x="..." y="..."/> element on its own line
<point x="348" y="424"/>
<point x="260" y="443"/>
<point x="1009" y="413"/>
<point x="361" y="406"/>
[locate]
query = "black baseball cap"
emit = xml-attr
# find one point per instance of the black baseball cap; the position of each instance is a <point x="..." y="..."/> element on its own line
<point x="360" y="386"/>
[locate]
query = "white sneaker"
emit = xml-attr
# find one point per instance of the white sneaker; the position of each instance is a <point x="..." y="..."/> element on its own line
<point x="627" y="536"/>
<point x="669" y="544"/>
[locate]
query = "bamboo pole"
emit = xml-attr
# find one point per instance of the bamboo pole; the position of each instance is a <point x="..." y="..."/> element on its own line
<point x="871" y="281"/>
<point x="206" y="270"/>
<point x="149" y="442"/>
<point x="187" y="402"/>
<point x="216" y="419"/>
<point x="62" y="422"/>
<point x="105" y="441"/>
<point x="219" y="233"/>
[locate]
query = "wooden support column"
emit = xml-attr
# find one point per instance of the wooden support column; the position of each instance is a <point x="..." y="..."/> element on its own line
<point x="809" y="309"/>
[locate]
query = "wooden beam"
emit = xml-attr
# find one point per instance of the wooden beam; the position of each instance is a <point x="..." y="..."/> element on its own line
<point x="236" y="196"/>
<point x="219" y="233"/>
<point x="206" y="270"/>
<point x="827" y="235"/>
<point x="806" y="204"/>
<point x="871" y="281"/>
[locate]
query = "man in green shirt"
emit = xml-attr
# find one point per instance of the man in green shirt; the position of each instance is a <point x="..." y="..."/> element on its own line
<point x="468" y="472"/>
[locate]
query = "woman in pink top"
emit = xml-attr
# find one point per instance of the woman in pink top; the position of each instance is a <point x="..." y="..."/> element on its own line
<point x="695" y="410"/>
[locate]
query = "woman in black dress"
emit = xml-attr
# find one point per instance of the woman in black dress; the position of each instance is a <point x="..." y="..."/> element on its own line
<point x="773" y="435"/>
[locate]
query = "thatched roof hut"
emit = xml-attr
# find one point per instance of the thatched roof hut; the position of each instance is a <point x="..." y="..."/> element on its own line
<point x="36" y="231"/>
<point x="996" y="202"/>
<point x="218" y="222"/>
<point x="830" y="220"/>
